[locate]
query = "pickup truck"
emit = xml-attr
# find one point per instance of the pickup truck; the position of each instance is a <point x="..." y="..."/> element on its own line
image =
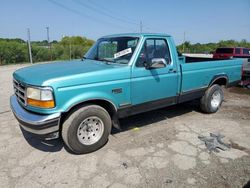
<point x="226" y="53"/>
<point x="121" y="75"/>
<point x="239" y="52"/>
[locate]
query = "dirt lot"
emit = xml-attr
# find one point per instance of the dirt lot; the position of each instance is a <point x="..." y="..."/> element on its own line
<point x="154" y="149"/>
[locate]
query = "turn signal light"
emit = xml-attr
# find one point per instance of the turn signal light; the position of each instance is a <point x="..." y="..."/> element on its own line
<point x="41" y="104"/>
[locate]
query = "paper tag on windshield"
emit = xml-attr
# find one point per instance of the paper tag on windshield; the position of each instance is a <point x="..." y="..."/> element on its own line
<point x="123" y="52"/>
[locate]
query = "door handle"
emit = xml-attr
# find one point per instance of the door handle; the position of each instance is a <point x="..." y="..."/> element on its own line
<point x="172" y="70"/>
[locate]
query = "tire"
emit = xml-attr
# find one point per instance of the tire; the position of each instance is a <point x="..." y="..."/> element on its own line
<point x="86" y="129"/>
<point x="212" y="99"/>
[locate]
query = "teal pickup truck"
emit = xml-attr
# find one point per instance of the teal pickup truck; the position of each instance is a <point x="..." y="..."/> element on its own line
<point x="121" y="75"/>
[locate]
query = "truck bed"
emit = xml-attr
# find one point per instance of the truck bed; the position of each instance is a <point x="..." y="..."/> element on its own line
<point x="197" y="76"/>
<point x="198" y="59"/>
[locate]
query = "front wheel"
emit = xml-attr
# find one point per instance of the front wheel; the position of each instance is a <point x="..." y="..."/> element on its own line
<point x="212" y="99"/>
<point x="86" y="129"/>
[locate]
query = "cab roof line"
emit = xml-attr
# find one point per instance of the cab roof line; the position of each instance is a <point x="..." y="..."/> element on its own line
<point x="137" y="35"/>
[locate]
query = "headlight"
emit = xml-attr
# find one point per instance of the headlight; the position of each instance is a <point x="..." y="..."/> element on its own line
<point x="40" y="97"/>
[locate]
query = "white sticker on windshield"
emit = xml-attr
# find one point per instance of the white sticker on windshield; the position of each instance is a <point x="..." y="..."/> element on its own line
<point x="123" y="52"/>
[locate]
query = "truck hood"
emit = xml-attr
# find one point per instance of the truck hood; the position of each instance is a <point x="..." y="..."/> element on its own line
<point x="61" y="74"/>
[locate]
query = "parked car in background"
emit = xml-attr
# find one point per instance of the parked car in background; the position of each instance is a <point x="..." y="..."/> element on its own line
<point x="226" y="53"/>
<point x="238" y="52"/>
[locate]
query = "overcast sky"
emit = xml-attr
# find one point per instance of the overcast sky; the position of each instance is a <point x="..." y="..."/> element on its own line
<point x="202" y="21"/>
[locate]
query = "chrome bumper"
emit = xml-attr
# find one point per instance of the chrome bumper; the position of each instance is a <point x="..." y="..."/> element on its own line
<point x="35" y="123"/>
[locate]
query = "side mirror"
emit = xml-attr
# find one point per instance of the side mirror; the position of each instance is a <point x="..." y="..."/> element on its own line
<point x="157" y="63"/>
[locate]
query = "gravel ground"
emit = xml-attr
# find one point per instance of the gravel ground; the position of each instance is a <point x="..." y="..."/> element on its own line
<point x="154" y="149"/>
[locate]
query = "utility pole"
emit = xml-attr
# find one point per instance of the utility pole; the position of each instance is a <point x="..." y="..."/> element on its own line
<point x="29" y="46"/>
<point x="184" y="40"/>
<point x="49" y="45"/>
<point x="141" y="26"/>
<point x="70" y="50"/>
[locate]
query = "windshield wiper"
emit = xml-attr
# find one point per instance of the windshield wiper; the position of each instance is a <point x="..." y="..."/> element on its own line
<point x="104" y="60"/>
<point x="84" y="58"/>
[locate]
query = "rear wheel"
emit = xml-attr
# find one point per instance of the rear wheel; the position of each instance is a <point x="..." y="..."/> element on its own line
<point x="86" y="129"/>
<point x="212" y="99"/>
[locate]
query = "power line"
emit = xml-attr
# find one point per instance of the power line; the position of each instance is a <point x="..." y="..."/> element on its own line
<point x="103" y="12"/>
<point x="84" y="15"/>
<point x="109" y="14"/>
<point x="111" y="11"/>
<point x="72" y="10"/>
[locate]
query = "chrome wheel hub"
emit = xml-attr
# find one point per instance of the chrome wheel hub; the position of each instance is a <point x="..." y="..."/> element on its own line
<point x="216" y="99"/>
<point x="90" y="130"/>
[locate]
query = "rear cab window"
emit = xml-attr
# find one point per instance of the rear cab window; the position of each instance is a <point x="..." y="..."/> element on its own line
<point x="225" y="51"/>
<point x="237" y="50"/>
<point x="246" y="51"/>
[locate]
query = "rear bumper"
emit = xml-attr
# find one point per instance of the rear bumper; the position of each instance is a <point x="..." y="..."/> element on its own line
<point x="43" y="125"/>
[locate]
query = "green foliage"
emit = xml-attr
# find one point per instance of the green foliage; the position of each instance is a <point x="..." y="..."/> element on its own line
<point x="16" y="50"/>
<point x="187" y="47"/>
<point x="107" y="50"/>
<point x="72" y="47"/>
<point x="12" y="51"/>
<point x="40" y="53"/>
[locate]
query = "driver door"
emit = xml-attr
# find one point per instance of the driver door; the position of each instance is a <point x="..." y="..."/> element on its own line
<point x="157" y="86"/>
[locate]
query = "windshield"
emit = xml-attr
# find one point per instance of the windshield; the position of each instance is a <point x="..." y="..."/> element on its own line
<point x="115" y="50"/>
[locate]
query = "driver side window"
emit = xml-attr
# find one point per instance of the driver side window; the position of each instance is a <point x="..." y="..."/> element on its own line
<point x="153" y="48"/>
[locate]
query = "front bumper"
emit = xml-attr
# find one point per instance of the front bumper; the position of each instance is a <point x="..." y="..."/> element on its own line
<point x="43" y="125"/>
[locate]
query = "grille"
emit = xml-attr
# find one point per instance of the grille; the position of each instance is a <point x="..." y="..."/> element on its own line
<point x="20" y="92"/>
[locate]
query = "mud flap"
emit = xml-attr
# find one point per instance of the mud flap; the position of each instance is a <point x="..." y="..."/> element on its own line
<point x="116" y="122"/>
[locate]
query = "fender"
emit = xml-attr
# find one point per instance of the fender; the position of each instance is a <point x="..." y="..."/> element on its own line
<point x="217" y="77"/>
<point x="85" y="97"/>
<point x="89" y="97"/>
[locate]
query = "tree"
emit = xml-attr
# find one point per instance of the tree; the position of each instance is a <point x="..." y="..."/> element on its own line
<point x="16" y="50"/>
<point x="211" y="47"/>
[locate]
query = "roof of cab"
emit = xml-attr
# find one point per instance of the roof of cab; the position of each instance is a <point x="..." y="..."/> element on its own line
<point x="137" y="35"/>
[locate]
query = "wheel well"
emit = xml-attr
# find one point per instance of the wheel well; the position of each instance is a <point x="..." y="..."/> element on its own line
<point x="103" y="103"/>
<point x="222" y="81"/>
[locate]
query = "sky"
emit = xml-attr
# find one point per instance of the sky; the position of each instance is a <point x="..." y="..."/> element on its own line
<point x="202" y="21"/>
